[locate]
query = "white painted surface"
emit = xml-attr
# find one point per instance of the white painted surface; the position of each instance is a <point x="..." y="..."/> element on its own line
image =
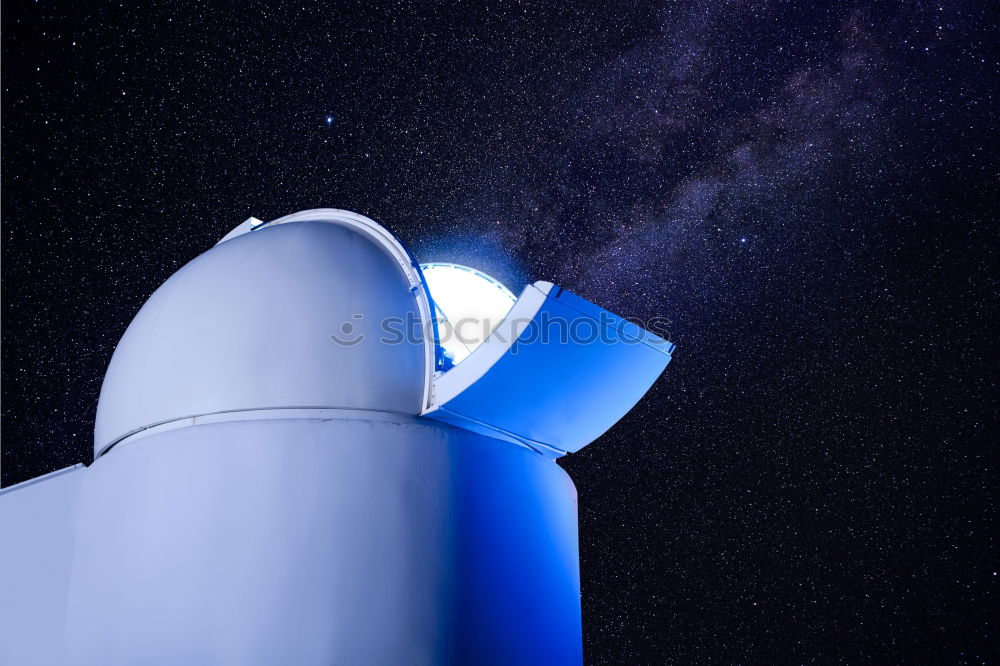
<point x="247" y="325"/>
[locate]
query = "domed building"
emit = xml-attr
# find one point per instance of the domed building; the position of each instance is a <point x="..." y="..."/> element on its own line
<point x="300" y="458"/>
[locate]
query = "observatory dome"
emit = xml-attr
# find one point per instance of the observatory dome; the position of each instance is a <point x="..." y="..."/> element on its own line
<point x="290" y="315"/>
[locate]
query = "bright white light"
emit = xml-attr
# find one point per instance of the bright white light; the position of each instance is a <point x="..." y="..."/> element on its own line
<point x="469" y="305"/>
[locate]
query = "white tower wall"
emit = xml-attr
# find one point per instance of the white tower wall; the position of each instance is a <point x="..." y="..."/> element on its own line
<point x="333" y="538"/>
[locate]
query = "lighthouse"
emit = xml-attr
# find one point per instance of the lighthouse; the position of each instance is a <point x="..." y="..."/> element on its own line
<point x="310" y="449"/>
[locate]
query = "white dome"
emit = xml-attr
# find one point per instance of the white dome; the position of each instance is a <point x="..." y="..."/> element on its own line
<point x="248" y="324"/>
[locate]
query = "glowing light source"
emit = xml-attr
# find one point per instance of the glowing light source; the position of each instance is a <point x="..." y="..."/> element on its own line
<point x="468" y="304"/>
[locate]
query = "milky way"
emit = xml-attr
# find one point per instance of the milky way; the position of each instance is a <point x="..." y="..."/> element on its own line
<point x="807" y="192"/>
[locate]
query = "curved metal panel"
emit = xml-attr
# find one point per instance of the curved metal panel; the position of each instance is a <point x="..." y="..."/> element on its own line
<point x="392" y="245"/>
<point x="556" y="374"/>
<point x="251" y="323"/>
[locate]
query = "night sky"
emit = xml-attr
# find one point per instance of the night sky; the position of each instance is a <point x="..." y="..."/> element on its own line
<point x="807" y="191"/>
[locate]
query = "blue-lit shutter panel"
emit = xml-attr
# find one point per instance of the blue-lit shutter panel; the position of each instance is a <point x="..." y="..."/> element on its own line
<point x="572" y="372"/>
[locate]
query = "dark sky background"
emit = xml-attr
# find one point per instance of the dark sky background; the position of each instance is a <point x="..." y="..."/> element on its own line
<point x="808" y="191"/>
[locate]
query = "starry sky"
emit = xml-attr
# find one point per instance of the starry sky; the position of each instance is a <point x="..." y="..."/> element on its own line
<point x="807" y="191"/>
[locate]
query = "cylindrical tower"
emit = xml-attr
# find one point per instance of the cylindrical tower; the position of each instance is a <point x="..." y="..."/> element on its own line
<point x="265" y="494"/>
